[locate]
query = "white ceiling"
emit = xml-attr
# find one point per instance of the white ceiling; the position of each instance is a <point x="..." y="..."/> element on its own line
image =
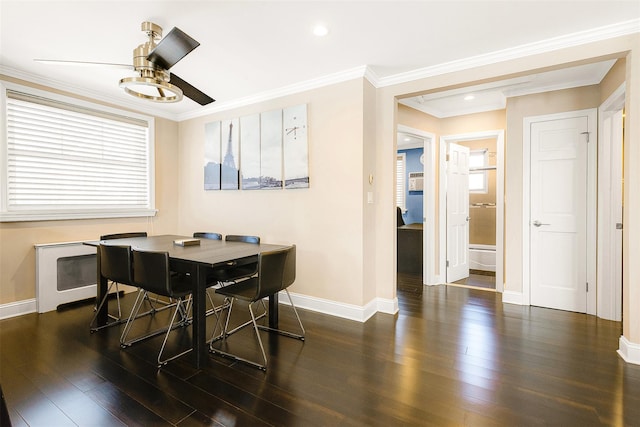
<point x="253" y="49"/>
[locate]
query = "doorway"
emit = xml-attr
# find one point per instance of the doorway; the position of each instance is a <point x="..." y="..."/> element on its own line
<point x="425" y="141"/>
<point x="484" y="250"/>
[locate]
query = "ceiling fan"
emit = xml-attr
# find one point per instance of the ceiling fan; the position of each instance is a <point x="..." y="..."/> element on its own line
<point x="152" y="63"/>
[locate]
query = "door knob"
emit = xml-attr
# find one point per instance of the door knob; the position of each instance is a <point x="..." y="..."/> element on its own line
<point x="538" y="223"/>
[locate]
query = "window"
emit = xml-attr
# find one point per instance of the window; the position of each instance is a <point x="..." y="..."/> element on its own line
<point x="401" y="180"/>
<point x="66" y="159"/>
<point x="478" y="161"/>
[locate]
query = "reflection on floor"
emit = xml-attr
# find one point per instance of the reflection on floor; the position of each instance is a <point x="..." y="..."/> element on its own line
<point x="479" y="279"/>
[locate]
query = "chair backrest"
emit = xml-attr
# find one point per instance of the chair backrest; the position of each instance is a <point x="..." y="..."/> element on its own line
<point x="272" y="271"/>
<point x="151" y="271"/>
<point x="115" y="263"/>
<point x="123" y="235"/>
<point x="207" y="235"/>
<point x="240" y="238"/>
<point x="399" y="219"/>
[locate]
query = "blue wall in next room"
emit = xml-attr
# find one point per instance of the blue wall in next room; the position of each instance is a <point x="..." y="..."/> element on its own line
<point x="414" y="212"/>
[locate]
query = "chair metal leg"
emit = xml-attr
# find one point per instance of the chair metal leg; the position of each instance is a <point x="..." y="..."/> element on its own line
<point x="287" y="333"/>
<point x="184" y="319"/>
<point x="224" y="335"/>
<point x="142" y="296"/>
<point x="116" y="320"/>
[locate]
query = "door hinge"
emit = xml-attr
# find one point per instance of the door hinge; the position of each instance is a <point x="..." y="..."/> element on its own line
<point x="447" y="263"/>
<point x="587" y="286"/>
<point x="618" y="226"/>
<point x="585" y="133"/>
<point x="447" y="158"/>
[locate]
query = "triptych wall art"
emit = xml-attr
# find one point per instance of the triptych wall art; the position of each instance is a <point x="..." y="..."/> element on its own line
<point x="262" y="151"/>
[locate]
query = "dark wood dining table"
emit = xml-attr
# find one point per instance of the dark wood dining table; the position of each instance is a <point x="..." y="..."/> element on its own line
<point x="196" y="260"/>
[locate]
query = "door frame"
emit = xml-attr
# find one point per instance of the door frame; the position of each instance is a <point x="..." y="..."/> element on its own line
<point x="428" y="202"/>
<point x="609" y="280"/>
<point x="592" y="175"/>
<point x="498" y="134"/>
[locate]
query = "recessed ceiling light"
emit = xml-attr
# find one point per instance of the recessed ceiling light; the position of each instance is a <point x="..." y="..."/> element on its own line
<point x="469" y="97"/>
<point x="320" y="30"/>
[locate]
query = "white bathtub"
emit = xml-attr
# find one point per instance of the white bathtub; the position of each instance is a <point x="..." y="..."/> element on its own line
<point x="482" y="257"/>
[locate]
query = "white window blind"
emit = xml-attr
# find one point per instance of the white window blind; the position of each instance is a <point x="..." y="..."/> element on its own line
<point x="401" y="181"/>
<point x="63" y="157"/>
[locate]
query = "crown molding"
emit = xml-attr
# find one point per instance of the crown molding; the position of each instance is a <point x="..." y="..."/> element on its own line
<point x="363" y="71"/>
<point x="81" y="91"/>
<point x="543" y="46"/>
<point x="330" y="79"/>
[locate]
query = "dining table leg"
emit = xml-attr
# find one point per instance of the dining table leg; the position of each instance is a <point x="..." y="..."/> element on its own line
<point x="273" y="311"/>
<point x="199" y="317"/>
<point x="101" y="290"/>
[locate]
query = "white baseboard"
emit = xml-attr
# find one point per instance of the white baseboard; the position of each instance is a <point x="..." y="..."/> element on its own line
<point x="511" y="297"/>
<point x="629" y="351"/>
<point x="17" y="308"/>
<point x="339" y="309"/>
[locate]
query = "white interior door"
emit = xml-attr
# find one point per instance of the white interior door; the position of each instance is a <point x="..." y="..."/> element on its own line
<point x="457" y="213"/>
<point x="558" y="213"/>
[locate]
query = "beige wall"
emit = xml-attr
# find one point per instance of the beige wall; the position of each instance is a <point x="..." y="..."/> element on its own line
<point x="619" y="47"/>
<point x="517" y="109"/>
<point x="614" y="78"/>
<point x="17" y="239"/>
<point x="331" y="222"/>
<point x="325" y="221"/>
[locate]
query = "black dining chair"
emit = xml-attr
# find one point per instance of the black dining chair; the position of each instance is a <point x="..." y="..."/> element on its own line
<point x="151" y="273"/>
<point x="114" y="284"/>
<point x="276" y="272"/>
<point x="211" y="279"/>
<point x="115" y="266"/>
<point x="207" y="235"/>
<point x="236" y="272"/>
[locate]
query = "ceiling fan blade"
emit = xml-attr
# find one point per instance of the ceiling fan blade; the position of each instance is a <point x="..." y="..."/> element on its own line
<point x="190" y="91"/>
<point x="172" y="48"/>
<point x="83" y="63"/>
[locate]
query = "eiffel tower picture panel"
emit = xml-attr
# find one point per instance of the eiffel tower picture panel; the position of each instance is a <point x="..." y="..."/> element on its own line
<point x="231" y="157"/>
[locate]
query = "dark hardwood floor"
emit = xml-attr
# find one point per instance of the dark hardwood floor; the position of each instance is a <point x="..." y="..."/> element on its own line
<point x="451" y="356"/>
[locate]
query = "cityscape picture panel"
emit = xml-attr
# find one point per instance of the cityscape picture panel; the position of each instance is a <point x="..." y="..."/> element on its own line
<point x="295" y="146"/>
<point x="271" y="150"/>
<point x="230" y="155"/>
<point x="250" y="152"/>
<point x="212" y="156"/>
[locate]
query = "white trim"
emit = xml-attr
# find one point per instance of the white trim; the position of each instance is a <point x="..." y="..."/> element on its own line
<point x="522" y="51"/>
<point x="609" y="262"/>
<point x="331" y="79"/>
<point x="512" y="297"/>
<point x="429" y="202"/>
<point x="340" y="309"/>
<point x="126" y="101"/>
<point x="17" y="308"/>
<point x="591" y="219"/>
<point x="629" y="351"/>
<point x="543" y="46"/>
<point x="498" y="134"/>
<point x="62" y="215"/>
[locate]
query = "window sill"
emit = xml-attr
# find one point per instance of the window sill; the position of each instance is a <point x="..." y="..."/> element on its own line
<point x="77" y="214"/>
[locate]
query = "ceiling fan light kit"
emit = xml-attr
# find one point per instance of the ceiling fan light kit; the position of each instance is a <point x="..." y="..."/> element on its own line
<point x="152" y="63"/>
<point x="153" y="82"/>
